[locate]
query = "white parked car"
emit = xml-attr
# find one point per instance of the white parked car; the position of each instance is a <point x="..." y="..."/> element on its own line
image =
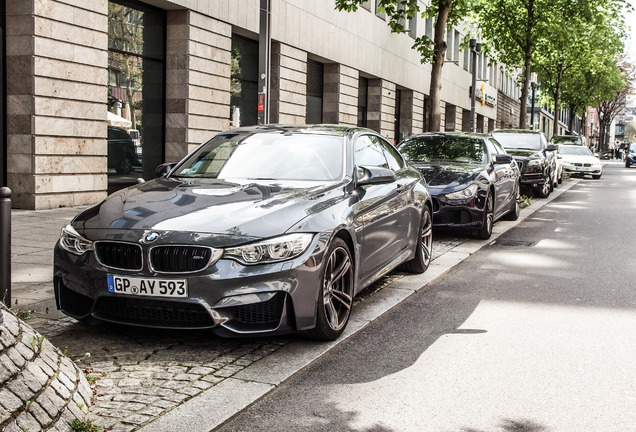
<point x="579" y="161"/>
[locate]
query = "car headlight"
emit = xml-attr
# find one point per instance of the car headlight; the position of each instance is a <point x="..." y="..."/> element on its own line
<point x="535" y="162"/>
<point x="73" y="242"/>
<point x="463" y="194"/>
<point x="272" y="250"/>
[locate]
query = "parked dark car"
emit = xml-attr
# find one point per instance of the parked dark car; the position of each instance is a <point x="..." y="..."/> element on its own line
<point x="260" y="230"/>
<point x="630" y="155"/>
<point x="535" y="157"/>
<point x="472" y="180"/>
<point x="122" y="155"/>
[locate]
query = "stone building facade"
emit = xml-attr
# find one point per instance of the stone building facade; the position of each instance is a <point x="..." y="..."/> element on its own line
<point x="178" y="71"/>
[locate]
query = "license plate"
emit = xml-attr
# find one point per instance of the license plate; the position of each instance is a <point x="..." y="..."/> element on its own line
<point x="147" y="286"/>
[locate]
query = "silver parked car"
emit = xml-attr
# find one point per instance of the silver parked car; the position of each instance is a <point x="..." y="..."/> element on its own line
<point x="260" y="230"/>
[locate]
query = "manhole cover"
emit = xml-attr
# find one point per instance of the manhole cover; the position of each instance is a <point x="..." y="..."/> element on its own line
<point x="513" y="243"/>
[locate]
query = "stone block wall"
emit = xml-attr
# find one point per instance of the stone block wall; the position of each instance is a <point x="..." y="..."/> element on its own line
<point x="507" y="111"/>
<point x="340" y="104"/>
<point x="381" y="108"/>
<point x="56" y="61"/>
<point x="40" y="388"/>
<point x="288" y="98"/>
<point x="198" y="57"/>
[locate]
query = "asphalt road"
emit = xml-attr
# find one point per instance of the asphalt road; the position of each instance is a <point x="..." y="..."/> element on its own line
<point x="535" y="332"/>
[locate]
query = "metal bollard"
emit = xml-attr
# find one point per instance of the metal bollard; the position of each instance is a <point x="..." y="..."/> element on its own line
<point x="5" y="246"/>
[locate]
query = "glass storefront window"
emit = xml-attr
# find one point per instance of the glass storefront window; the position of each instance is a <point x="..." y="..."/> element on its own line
<point x="135" y="92"/>
<point x="244" y="82"/>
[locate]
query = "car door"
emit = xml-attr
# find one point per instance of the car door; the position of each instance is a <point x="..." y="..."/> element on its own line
<point x="379" y="215"/>
<point x="504" y="178"/>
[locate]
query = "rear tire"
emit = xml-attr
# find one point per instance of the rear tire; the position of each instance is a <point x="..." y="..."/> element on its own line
<point x="424" y="249"/>
<point x="335" y="299"/>
<point x="513" y="214"/>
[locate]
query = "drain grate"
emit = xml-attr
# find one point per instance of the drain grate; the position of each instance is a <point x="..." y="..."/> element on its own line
<point x="513" y="243"/>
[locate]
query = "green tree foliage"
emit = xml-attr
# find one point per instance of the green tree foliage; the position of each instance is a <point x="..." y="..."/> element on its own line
<point x="511" y="29"/>
<point x="447" y="13"/>
<point x="581" y="48"/>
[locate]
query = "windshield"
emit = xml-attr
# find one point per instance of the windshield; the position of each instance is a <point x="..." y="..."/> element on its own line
<point x="444" y="148"/>
<point x="565" y="140"/>
<point x="267" y="157"/>
<point x="632" y="148"/>
<point x="578" y="151"/>
<point x="527" y="141"/>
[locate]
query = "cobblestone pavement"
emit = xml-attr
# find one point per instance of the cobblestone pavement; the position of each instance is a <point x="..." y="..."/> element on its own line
<point x="137" y="374"/>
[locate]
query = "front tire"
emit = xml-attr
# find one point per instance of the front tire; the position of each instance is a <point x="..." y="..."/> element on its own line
<point x="596" y="177"/>
<point x="424" y="250"/>
<point x="335" y="299"/>
<point x="489" y="218"/>
<point x="544" y="190"/>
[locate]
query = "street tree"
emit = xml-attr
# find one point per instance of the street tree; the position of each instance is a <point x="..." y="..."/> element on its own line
<point x="447" y="14"/>
<point x="612" y="97"/>
<point x="510" y="30"/>
<point x="583" y="40"/>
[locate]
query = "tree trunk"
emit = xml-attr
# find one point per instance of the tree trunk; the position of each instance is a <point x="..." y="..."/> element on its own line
<point x="527" y="68"/>
<point x="557" y="101"/>
<point x="523" y="111"/>
<point x="438" y="62"/>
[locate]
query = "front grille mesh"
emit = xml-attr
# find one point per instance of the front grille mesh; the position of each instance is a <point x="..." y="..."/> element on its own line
<point x="267" y="312"/>
<point x="119" y="255"/>
<point x="179" y="259"/>
<point x="151" y="312"/>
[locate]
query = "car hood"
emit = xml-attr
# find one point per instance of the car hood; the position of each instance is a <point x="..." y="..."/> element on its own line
<point x="442" y="175"/>
<point x="247" y="211"/>
<point x="524" y="153"/>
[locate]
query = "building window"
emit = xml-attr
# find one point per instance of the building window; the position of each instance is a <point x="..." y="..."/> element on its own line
<point x="449" y="118"/>
<point x="244" y="82"/>
<point x="429" y="27"/>
<point x="363" y="101"/>
<point x="315" y="78"/>
<point x="136" y="55"/>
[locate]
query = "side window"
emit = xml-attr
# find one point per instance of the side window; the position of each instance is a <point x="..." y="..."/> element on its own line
<point x="368" y="152"/>
<point x="392" y="156"/>
<point x="494" y="148"/>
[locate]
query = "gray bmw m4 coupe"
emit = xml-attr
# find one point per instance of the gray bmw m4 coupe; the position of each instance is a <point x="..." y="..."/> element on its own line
<point x="260" y="230"/>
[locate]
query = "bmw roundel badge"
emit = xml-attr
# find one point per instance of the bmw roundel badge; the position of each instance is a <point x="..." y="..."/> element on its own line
<point x="150" y="237"/>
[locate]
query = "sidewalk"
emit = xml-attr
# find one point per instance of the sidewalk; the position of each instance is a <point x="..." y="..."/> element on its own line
<point x="151" y="380"/>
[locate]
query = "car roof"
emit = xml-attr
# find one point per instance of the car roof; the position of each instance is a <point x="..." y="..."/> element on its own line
<point x="516" y="131"/>
<point x="328" y="129"/>
<point x="449" y="134"/>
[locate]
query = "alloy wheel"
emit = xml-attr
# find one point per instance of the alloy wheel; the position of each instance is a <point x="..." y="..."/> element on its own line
<point x="338" y="288"/>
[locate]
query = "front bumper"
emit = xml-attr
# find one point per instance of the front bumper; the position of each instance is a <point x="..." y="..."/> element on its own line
<point x="458" y="214"/>
<point x="582" y="170"/>
<point x="228" y="297"/>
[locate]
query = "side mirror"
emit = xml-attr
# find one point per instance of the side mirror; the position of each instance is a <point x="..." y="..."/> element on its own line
<point x="375" y="175"/>
<point x="551" y="147"/>
<point x="164" y="169"/>
<point x="503" y="159"/>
